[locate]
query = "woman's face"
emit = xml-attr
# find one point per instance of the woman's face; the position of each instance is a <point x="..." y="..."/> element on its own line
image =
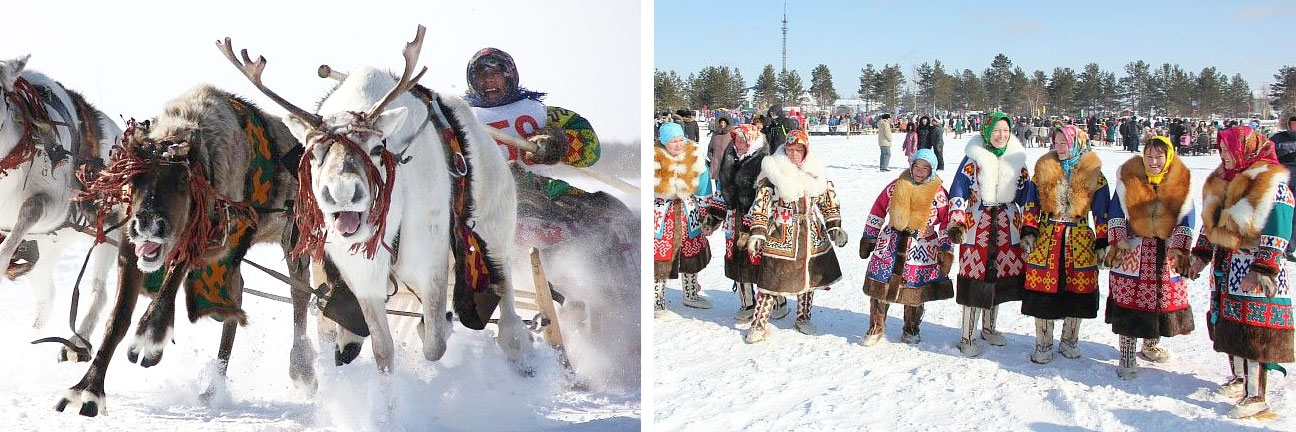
<point x="1291" y="125"/>
<point x="920" y="170"/>
<point x="675" y="146"/>
<point x="999" y="135"/>
<point x="1061" y="146"/>
<point x="741" y="145"/>
<point x="1154" y="159"/>
<point x="1229" y="163"/>
<point x="795" y="153"/>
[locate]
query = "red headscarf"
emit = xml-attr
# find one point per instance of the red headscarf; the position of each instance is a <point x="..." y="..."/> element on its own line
<point x="1247" y="146"/>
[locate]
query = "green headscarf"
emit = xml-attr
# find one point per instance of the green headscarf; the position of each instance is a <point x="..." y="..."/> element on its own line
<point x="989" y="128"/>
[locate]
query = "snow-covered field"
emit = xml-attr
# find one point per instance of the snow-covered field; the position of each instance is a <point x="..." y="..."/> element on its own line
<point x="706" y="378"/>
<point x="472" y="388"/>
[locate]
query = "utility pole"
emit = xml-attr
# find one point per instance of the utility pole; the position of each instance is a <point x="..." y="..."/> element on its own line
<point x="784" y="36"/>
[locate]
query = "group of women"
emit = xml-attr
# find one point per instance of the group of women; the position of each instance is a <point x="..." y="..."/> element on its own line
<point x="1038" y="238"/>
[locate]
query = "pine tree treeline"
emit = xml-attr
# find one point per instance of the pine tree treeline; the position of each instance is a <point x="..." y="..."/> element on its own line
<point x="1167" y="88"/>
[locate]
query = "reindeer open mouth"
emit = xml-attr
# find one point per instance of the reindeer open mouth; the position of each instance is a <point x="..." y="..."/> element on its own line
<point x="347" y="223"/>
<point x="148" y="250"/>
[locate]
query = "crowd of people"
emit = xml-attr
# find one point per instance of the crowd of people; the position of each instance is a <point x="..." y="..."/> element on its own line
<point x="1036" y="234"/>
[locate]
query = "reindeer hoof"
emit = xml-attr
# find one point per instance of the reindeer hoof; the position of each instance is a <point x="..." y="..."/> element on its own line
<point x="90" y="402"/>
<point x="132" y="354"/>
<point x="348" y="353"/>
<point x="89" y="409"/>
<point x="150" y="361"/>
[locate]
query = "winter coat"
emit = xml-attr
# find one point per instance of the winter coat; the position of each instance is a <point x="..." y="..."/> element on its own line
<point x="1285" y="146"/>
<point x="1246" y="224"/>
<point x="720" y="140"/>
<point x="793" y="211"/>
<point x="909" y="257"/>
<point x="985" y="200"/>
<point x="884" y="133"/>
<point x="691" y="130"/>
<point x="1153" y="225"/>
<point x="925" y="133"/>
<point x="1062" y="269"/>
<point x="738" y="187"/>
<point x="681" y="203"/>
<point x="911" y="142"/>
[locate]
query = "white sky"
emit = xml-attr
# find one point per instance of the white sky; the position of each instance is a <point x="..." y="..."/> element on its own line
<point x="129" y="58"/>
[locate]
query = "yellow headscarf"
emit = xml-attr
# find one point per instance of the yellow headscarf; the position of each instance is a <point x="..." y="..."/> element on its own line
<point x="1155" y="179"/>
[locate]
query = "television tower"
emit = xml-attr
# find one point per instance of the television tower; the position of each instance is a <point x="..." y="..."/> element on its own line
<point x="784" y="36"/>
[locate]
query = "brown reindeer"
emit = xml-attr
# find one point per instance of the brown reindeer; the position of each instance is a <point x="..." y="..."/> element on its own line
<point x="202" y="183"/>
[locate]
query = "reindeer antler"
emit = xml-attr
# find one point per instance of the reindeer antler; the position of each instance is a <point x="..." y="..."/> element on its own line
<point x="325" y="71"/>
<point x="252" y="70"/>
<point x="412" y="51"/>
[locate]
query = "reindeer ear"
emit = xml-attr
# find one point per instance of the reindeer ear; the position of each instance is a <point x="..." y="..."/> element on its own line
<point x="297" y="127"/>
<point x="10" y="71"/>
<point x="390" y="121"/>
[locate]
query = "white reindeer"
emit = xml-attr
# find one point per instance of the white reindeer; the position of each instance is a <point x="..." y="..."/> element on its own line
<point x="43" y="128"/>
<point x="354" y="136"/>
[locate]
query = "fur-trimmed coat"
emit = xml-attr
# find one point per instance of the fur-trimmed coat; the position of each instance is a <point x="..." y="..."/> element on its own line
<point x="682" y="199"/>
<point x="1246" y="224"/>
<point x="1062" y="269"/>
<point x="738" y="187"/>
<point x="793" y="211"/>
<point x="1150" y="232"/>
<point x="905" y="242"/>
<point x="985" y="200"/>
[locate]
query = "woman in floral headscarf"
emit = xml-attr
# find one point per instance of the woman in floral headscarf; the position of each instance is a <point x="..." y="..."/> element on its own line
<point x="739" y="168"/>
<point x="1246" y="224"/>
<point x="1150" y="233"/>
<point x="1062" y="251"/>
<point x="985" y="200"/>
<point x="795" y="222"/>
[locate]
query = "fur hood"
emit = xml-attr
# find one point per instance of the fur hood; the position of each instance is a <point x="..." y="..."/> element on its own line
<point x="790" y="182"/>
<point x="678" y="176"/>
<point x="997" y="175"/>
<point x="1236" y="211"/>
<point x="911" y="203"/>
<point x="1069" y="198"/>
<point x="1147" y="209"/>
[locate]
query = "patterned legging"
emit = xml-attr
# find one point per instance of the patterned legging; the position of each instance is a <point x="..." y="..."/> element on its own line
<point x="765" y="303"/>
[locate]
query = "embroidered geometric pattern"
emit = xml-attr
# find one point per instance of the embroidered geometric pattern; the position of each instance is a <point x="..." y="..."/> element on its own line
<point x="1135" y="285"/>
<point x="1257" y="313"/>
<point x="1081" y="261"/>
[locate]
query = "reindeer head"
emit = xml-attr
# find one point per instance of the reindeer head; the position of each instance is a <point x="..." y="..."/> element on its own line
<point x="348" y="168"/>
<point x="10" y="70"/>
<point x="162" y="196"/>
<point x="347" y="172"/>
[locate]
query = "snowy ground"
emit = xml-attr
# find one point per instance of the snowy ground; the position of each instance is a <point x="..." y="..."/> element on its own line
<point x="472" y="388"/>
<point x="706" y="378"/>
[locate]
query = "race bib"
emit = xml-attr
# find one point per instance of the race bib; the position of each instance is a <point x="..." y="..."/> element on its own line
<point x="521" y="119"/>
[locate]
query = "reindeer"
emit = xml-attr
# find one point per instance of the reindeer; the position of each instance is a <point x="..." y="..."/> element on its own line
<point x="375" y="200"/>
<point x="47" y="133"/>
<point x="202" y="183"/>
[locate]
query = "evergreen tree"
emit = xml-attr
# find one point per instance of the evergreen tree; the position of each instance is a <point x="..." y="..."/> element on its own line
<point x="668" y="91"/>
<point x="1209" y="92"/>
<point x="1283" y="90"/>
<point x="888" y="87"/>
<point x="1136" y="87"/>
<point x="766" y="91"/>
<point x="1089" y="88"/>
<point x="821" y="86"/>
<point x="1061" y="90"/>
<point x="868" y="76"/>
<point x="790" y="88"/>
<point x="995" y="80"/>
<point x="1240" y="96"/>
